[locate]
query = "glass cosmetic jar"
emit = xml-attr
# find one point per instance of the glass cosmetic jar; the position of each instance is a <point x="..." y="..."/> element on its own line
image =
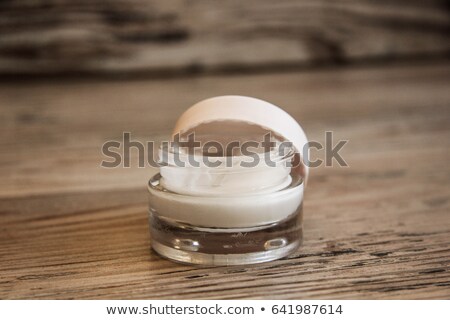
<point x="215" y="205"/>
<point x="228" y="215"/>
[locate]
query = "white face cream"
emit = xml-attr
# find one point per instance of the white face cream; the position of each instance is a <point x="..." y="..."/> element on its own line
<point x="207" y="195"/>
<point x="225" y="176"/>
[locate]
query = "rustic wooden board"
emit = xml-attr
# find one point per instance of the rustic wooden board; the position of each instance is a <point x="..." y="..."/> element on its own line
<point x="176" y="36"/>
<point x="377" y="229"/>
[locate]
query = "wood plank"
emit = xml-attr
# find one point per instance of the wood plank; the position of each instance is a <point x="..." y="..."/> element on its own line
<point x="183" y="36"/>
<point x="379" y="228"/>
<point x="61" y="126"/>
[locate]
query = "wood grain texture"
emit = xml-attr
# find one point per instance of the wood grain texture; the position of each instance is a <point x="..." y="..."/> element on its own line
<point x="379" y="228"/>
<point x="117" y="36"/>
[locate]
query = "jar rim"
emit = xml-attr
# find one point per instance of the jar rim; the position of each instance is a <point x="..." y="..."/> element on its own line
<point x="279" y="158"/>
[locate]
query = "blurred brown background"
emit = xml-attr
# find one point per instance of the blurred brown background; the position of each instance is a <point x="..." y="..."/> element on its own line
<point x="185" y="36"/>
<point x="75" y="74"/>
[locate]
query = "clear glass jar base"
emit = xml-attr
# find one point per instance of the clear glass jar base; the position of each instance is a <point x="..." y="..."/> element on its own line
<point x="221" y="247"/>
<point x="198" y="258"/>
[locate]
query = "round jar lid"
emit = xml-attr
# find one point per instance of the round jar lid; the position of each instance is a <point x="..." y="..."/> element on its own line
<point x="246" y="110"/>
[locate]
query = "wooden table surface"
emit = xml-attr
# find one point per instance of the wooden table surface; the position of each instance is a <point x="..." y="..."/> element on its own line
<point x="378" y="229"/>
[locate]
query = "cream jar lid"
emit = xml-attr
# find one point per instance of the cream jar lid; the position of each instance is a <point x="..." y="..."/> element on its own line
<point x="246" y="110"/>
